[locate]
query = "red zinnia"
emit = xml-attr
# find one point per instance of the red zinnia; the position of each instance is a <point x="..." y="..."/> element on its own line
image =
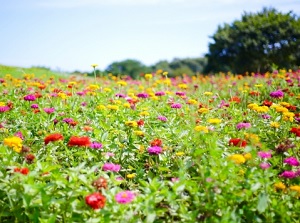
<point x="79" y="141"/>
<point x="235" y="99"/>
<point x="267" y="103"/>
<point x="238" y="142"/>
<point x="53" y="137"/>
<point x="23" y="170"/>
<point x="296" y="131"/>
<point x="140" y="122"/>
<point x="95" y="200"/>
<point x="156" y="142"/>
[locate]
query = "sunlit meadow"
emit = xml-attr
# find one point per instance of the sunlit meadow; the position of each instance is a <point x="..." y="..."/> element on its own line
<point x="221" y="148"/>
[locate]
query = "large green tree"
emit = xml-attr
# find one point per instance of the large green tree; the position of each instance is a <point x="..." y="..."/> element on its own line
<point x="256" y="42"/>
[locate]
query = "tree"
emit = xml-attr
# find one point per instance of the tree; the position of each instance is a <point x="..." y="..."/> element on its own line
<point x="130" y="67"/>
<point x="256" y="42"/>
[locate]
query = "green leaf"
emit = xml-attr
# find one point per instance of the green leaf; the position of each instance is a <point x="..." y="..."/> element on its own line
<point x="262" y="202"/>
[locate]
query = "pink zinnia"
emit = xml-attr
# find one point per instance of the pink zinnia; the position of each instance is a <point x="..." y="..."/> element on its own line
<point x="277" y="94"/>
<point x="291" y="161"/>
<point x="162" y="118"/>
<point x="243" y="125"/>
<point x="176" y="105"/>
<point x="180" y="93"/>
<point x="96" y="145"/>
<point x="34" y="106"/>
<point x="125" y="197"/>
<point x="288" y="174"/>
<point x="142" y="95"/>
<point x="4" y="108"/>
<point x="264" y="155"/>
<point x="160" y="93"/>
<point x="154" y="150"/>
<point x="111" y="167"/>
<point x="264" y="165"/>
<point x="29" y="97"/>
<point x="49" y="110"/>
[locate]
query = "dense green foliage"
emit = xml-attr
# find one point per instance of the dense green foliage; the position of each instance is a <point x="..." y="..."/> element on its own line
<point x="256" y="43"/>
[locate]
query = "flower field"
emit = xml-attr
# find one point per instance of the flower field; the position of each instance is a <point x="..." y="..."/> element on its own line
<point x="223" y="148"/>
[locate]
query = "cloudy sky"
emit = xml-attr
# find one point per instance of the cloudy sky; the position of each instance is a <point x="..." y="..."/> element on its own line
<point x="73" y="34"/>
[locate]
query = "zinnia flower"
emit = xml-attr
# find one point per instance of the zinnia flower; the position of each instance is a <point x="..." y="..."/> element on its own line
<point x="291" y="161"/>
<point x="162" y="118"/>
<point x="264" y="155"/>
<point x="4" y="108"/>
<point x="125" y="197"/>
<point x="35" y="106"/>
<point x="154" y="150"/>
<point x="237" y="158"/>
<point x="142" y="95"/>
<point x="277" y="94"/>
<point x="288" y="174"/>
<point x="53" y="137"/>
<point x="49" y="110"/>
<point x="176" y="105"/>
<point x="264" y="165"/>
<point x="14" y="142"/>
<point x="99" y="183"/>
<point x="296" y="131"/>
<point x="111" y="167"/>
<point x="23" y="170"/>
<point x="238" y="142"/>
<point x="96" y="145"/>
<point x="243" y="125"/>
<point x="95" y="200"/>
<point x="79" y="141"/>
<point x="156" y="142"/>
<point x="29" y="97"/>
<point x="160" y="93"/>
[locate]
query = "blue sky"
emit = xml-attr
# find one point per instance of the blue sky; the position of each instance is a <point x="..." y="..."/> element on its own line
<point x="73" y="34"/>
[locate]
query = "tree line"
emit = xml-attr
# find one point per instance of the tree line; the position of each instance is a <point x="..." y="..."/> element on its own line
<point x="258" y="42"/>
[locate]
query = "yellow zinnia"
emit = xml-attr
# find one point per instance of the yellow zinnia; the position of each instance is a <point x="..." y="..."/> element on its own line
<point x="14" y="142"/>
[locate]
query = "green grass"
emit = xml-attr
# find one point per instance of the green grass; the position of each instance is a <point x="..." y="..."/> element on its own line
<point x="20" y="71"/>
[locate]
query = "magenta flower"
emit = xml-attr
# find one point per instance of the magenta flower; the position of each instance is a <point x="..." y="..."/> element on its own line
<point x="111" y="167"/>
<point x="180" y="93"/>
<point x="68" y="120"/>
<point x="4" y="108"/>
<point x="264" y="155"/>
<point x="265" y="165"/>
<point x="223" y="104"/>
<point x="120" y="95"/>
<point x="142" y="95"/>
<point x="49" y="110"/>
<point x="291" y="161"/>
<point x="19" y="134"/>
<point x="162" y="118"/>
<point x="154" y="150"/>
<point x="29" y="97"/>
<point x="243" y="125"/>
<point x="176" y="105"/>
<point x="265" y="116"/>
<point x="125" y="197"/>
<point x="96" y="145"/>
<point x="288" y="174"/>
<point x="277" y="94"/>
<point x="35" y="106"/>
<point x="160" y="93"/>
